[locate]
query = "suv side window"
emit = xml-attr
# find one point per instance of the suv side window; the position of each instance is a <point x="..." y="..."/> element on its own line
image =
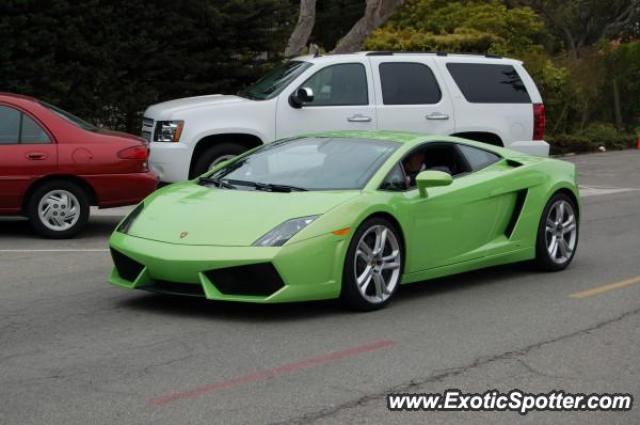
<point x="407" y="83"/>
<point x="9" y="126"/>
<point x="478" y="158"/>
<point x="343" y="84"/>
<point x="489" y="83"/>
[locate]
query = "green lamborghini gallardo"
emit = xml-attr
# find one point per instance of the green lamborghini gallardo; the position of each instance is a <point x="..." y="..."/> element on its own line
<point x="349" y="215"/>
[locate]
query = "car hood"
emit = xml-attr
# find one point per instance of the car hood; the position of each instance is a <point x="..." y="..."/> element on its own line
<point x="190" y="214"/>
<point x="164" y="110"/>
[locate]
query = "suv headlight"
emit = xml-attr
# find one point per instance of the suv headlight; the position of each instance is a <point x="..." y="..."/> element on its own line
<point x="285" y="231"/>
<point x="168" y="131"/>
<point x="128" y="220"/>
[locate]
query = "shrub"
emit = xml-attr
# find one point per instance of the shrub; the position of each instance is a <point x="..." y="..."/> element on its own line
<point x="589" y="139"/>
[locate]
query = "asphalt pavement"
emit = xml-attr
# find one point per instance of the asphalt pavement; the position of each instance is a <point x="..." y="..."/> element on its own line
<point x="76" y="350"/>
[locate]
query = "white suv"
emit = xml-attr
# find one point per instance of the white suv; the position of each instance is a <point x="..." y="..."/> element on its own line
<point x="484" y="98"/>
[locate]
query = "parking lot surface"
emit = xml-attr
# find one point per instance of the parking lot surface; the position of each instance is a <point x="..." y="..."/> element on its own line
<point x="76" y="350"/>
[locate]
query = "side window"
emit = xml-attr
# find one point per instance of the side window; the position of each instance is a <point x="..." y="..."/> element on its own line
<point x="408" y="84"/>
<point x="478" y="158"/>
<point x="396" y="180"/>
<point x="31" y="132"/>
<point x="488" y="83"/>
<point x="9" y="126"/>
<point x="339" y="85"/>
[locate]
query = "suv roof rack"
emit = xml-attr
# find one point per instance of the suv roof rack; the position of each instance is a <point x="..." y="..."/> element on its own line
<point x="391" y="53"/>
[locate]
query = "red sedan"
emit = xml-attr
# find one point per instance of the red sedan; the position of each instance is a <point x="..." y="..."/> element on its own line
<point x="54" y="165"/>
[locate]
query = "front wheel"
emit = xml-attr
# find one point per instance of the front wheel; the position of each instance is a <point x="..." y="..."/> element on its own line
<point x="373" y="266"/>
<point x="58" y="209"/>
<point x="557" y="238"/>
<point x="214" y="155"/>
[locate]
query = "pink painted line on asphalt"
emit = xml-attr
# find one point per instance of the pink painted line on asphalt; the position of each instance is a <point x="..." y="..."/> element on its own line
<point x="270" y="373"/>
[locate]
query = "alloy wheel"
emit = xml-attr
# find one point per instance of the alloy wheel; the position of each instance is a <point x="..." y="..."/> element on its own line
<point x="377" y="264"/>
<point x="561" y="231"/>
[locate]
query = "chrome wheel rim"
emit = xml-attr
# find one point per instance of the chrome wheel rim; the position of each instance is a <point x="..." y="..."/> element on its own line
<point x="377" y="264"/>
<point x="59" y="210"/>
<point x="219" y="159"/>
<point x="561" y="231"/>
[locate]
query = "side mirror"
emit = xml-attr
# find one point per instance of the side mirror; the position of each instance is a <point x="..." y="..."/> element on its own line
<point x="300" y="97"/>
<point x="432" y="179"/>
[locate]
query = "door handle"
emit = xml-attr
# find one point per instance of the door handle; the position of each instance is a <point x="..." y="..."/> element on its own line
<point x="437" y="116"/>
<point x="359" y="118"/>
<point x="36" y="156"/>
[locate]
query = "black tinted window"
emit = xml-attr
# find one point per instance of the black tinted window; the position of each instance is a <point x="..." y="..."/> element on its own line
<point x="31" y="132"/>
<point x="9" y="125"/>
<point x="343" y="84"/>
<point x="487" y="83"/>
<point x="408" y="84"/>
<point x="478" y="158"/>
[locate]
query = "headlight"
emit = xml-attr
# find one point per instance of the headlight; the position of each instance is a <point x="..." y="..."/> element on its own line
<point x="285" y="231"/>
<point x="128" y="221"/>
<point x="168" y="131"/>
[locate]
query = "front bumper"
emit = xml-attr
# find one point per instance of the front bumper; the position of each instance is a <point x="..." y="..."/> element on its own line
<point x="309" y="270"/>
<point x="170" y="161"/>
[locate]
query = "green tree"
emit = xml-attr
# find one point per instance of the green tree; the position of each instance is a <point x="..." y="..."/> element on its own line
<point x="106" y="61"/>
<point x="468" y="26"/>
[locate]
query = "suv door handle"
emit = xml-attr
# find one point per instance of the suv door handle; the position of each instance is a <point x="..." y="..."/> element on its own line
<point x="359" y="118"/>
<point x="36" y="156"/>
<point x="437" y="116"/>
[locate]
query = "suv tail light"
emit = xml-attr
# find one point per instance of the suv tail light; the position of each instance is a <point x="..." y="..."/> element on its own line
<point x="538" y="121"/>
<point x="140" y="152"/>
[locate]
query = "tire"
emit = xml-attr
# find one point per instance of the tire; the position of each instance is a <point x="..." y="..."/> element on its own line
<point x="214" y="154"/>
<point x="564" y="230"/>
<point x="59" y="197"/>
<point x="375" y="293"/>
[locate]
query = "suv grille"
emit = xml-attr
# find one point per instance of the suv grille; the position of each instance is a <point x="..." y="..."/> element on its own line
<point x="255" y="279"/>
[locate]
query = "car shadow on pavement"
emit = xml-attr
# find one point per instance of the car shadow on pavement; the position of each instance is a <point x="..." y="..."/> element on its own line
<point x="19" y="228"/>
<point x="246" y="312"/>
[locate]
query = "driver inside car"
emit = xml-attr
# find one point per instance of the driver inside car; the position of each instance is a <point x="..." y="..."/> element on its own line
<point x="413" y="165"/>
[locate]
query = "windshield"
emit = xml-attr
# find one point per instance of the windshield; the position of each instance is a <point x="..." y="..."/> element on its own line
<point x="275" y="81"/>
<point x="70" y="117"/>
<point x="313" y="163"/>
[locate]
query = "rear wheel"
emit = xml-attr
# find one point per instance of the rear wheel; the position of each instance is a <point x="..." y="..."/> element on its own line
<point x="373" y="266"/>
<point x="58" y="209"/>
<point x="214" y="155"/>
<point x="557" y="238"/>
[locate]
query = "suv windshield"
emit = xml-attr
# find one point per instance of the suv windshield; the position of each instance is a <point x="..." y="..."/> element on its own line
<point x="311" y="163"/>
<point x="70" y="117"/>
<point x="275" y="81"/>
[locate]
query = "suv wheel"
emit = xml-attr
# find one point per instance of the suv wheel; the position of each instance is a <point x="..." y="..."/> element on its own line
<point x="214" y="155"/>
<point x="58" y="209"/>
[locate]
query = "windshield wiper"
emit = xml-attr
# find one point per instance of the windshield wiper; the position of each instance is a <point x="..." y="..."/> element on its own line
<point x="217" y="182"/>
<point x="269" y="187"/>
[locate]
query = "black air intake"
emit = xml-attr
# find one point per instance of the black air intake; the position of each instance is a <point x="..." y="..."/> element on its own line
<point x="128" y="269"/>
<point x="255" y="279"/>
<point x="177" y="288"/>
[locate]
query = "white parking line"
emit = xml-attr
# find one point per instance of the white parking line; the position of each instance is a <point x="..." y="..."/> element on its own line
<point x="54" y="250"/>
<point x="586" y="191"/>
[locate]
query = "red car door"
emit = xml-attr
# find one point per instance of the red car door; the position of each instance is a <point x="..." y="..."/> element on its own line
<point x="27" y="151"/>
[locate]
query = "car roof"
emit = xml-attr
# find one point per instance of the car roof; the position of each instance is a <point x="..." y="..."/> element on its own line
<point x="17" y="98"/>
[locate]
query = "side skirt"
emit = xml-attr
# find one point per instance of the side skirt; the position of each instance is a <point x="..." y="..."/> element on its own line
<point x="478" y="263"/>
